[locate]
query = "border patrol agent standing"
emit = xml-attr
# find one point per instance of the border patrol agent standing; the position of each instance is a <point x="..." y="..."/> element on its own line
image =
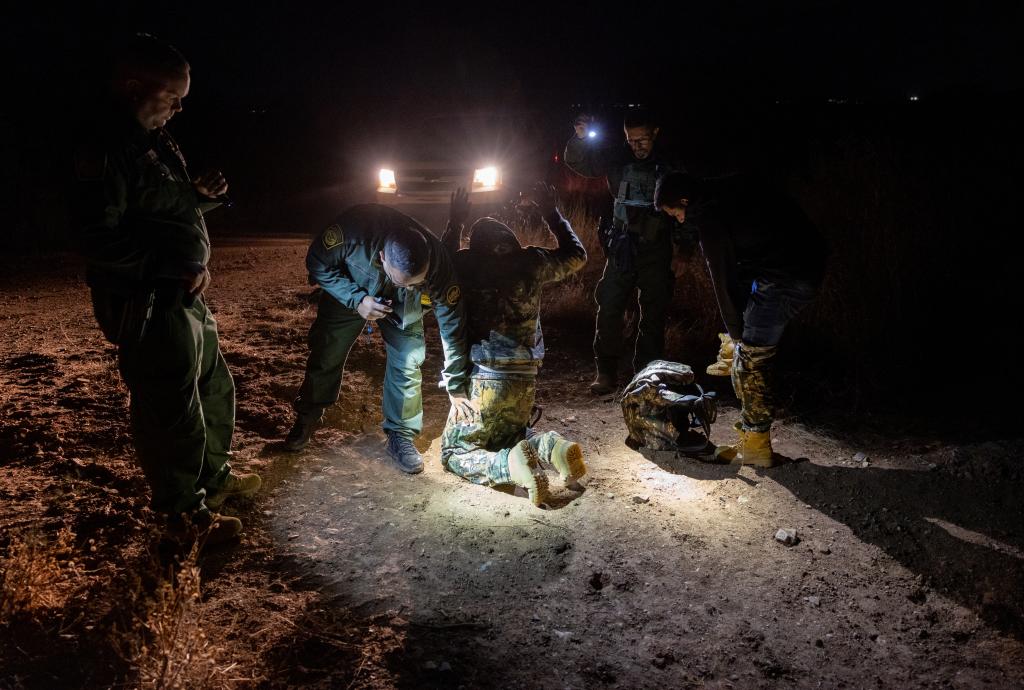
<point x="141" y="229"/>
<point x="503" y="283"/>
<point x="638" y="243"/>
<point x="373" y="264"/>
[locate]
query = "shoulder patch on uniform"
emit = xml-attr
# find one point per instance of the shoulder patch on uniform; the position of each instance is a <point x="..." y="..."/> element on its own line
<point x="332" y="237"/>
<point x="453" y="295"/>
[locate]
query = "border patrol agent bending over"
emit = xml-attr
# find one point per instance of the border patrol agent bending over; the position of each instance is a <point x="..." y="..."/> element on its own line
<point x="638" y="243"/>
<point x="503" y="282"/>
<point x="373" y="263"/>
<point x="140" y="219"/>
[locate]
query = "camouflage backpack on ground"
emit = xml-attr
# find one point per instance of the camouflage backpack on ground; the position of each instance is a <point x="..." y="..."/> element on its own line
<point x="665" y="410"/>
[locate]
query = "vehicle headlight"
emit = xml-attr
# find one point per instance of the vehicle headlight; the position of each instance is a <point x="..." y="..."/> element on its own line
<point x="486" y="178"/>
<point x="387" y="181"/>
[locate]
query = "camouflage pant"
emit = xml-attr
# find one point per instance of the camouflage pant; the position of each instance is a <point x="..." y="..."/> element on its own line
<point x="751" y="380"/>
<point x="478" y="450"/>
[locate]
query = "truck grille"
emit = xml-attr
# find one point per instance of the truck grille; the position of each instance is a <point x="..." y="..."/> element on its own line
<point x="426" y="181"/>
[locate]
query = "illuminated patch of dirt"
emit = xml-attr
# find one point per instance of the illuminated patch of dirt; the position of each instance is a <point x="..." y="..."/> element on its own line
<point x="662" y="573"/>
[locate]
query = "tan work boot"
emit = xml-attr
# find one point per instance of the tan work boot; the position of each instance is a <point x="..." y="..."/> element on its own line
<point x="217" y="528"/>
<point x="757" y="449"/>
<point x="209" y="528"/>
<point x="236" y="486"/>
<point x="730" y="453"/>
<point x="726" y="352"/>
<point x="524" y="470"/>
<point x="567" y="458"/>
<point x="753" y="448"/>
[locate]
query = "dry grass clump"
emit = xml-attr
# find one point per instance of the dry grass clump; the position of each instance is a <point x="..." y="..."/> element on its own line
<point x="36" y="574"/>
<point x="584" y="223"/>
<point x="165" y="645"/>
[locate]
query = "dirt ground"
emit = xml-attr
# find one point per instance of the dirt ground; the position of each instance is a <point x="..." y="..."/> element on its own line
<point x="662" y="573"/>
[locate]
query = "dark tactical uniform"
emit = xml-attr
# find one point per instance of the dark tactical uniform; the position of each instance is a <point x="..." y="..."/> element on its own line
<point x="767" y="261"/>
<point x="640" y="255"/>
<point x="345" y="261"/>
<point x="141" y="228"/>
<point x="503" y="283"/>
<point x="662" y="403"/>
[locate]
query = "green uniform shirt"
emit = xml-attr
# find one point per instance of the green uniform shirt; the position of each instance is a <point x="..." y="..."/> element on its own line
<point x="345" y="261"/>
<point x="138" y="216"/>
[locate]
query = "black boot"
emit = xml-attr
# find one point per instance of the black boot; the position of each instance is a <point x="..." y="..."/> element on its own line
<point x="300" y="435"/>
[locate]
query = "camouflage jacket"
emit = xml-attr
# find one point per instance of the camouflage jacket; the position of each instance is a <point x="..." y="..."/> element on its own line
<point x="344" y="260"/>
<point x="503" y="294"/>
<point x="630" y="181"/>
<point x="136" y="214"/>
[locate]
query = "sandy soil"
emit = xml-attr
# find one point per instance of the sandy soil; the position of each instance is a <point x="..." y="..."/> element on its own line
<point x="909" y="569"/>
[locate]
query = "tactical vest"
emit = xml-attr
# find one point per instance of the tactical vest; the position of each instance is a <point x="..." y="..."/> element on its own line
<point x="634" y="199"/>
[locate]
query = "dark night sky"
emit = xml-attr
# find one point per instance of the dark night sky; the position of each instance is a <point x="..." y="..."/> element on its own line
<point x="293" y="90"/>
<point x="391" y="56"/>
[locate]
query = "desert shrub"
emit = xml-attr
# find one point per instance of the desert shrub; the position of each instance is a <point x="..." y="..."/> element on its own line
<point x="36" y="574"/>
<point x="163" y="641"/>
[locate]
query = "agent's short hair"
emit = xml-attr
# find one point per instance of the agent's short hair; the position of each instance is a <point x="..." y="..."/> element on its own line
<point x="146" y="57"/>
<point x="673" y="187"/>
<point x="639" y="117"/>
<point x="407" y="250"/>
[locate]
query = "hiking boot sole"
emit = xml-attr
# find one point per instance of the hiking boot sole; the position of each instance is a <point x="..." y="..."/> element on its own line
<point x="571" y="466"/>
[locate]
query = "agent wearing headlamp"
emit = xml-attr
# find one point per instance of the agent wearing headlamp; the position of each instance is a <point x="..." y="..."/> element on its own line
<point x="638" y="241"/>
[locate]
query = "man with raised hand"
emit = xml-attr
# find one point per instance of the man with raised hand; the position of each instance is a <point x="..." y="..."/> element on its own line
<point x="502" y="283"/>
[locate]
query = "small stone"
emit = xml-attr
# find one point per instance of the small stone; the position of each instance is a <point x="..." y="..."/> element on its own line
<point x="610" y="495"/>
<point x="932" y="466"/>
<point x="787" y="536"/>
<point x="813" y="601"/>
<point x="860" y="457"/>
<point x="562" y="634"/>
<point x="292" y="537"/>
<point x="743" y="499"/>
<point x="486" y="565"/>
<point x="430" y="665"/>
<point x="444" y="667"/>
<point x="825" y="550"/>
<point x="641" y="499"/>
<point x="663" y="659"/>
